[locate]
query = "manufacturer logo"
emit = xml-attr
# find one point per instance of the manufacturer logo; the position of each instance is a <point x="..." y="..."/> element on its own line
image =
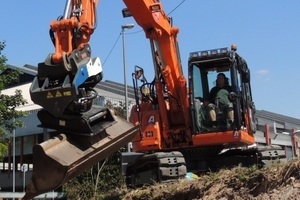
<point x="236" y="134"/>
<point x="156" y="16"/>
<point x="151" y="120"/>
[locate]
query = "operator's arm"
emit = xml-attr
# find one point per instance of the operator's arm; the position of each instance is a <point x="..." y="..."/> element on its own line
<point x="212" y="94"/>
<point x="228" y="88"/>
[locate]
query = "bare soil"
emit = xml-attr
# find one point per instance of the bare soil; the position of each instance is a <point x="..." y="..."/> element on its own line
<point x="277" y="181"/>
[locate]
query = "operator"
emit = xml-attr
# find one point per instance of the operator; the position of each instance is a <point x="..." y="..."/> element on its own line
<point x="219" y="98"/>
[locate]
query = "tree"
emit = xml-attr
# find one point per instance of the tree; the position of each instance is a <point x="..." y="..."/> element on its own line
<point x="9" y="116"/>
<point x="119" y="110"/>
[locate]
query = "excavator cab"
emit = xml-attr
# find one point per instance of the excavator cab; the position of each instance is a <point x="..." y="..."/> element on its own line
<point x="204" y="67"/>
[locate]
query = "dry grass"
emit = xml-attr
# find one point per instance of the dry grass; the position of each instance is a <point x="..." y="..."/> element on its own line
<point x="280" y="181"/>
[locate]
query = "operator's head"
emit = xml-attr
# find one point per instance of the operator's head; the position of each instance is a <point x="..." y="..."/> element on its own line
<point x="221" y="80"/>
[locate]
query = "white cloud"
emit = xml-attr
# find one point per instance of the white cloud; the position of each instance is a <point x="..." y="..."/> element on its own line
<point x="263" y="72"/>
<point x="263" y="75"/>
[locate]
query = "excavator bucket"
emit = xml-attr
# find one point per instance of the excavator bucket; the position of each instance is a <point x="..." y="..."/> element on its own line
<point x="58" y="160"/>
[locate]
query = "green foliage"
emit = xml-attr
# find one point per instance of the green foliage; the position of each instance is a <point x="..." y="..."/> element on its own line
<point x="8" y="113"/>
<point x="119" y="110"/>
<point x="98" y="181"/>
<point x="80" y="187"/>
<point x="3" y="148"/>
<point x="213" y="175"/>
<point x="245" y="174"/>
<point x="9" y="116"/>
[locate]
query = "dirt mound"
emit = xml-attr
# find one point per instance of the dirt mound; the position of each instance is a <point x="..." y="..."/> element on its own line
<point x="278" y="181"/>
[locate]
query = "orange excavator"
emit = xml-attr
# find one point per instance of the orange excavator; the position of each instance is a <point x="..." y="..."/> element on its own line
<point x="176" y="133"/>
<point x="171" y="130"/>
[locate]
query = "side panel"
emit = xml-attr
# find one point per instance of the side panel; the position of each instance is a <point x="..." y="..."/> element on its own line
<point x="234" y="138"/>
<point x="149" y="137"/>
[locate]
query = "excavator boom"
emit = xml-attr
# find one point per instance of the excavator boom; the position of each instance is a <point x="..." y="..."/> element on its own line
<point x="171" y="103"/>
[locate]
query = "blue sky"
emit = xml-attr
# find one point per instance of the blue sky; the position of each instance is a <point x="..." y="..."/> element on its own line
<point x="266" y="32"/>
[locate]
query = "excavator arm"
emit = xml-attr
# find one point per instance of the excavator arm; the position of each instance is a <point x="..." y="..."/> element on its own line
<point x="74" y="28"/>
<point x="64" y="88"/>
<point x="163" y="112"/>
<point x="172" y="104"/>
<point x="65" y="80"/>
<point x="158" y="29"/>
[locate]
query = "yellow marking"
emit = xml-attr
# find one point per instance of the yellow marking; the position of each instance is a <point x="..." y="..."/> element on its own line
<point x="49" y="95"/>
<point x="58" y="94"/>
<point x="67" y="93"/>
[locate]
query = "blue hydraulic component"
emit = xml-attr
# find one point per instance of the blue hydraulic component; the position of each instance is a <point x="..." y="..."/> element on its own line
<point x="90" y="69"/>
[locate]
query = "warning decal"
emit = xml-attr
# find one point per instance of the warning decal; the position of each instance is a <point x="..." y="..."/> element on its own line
<point x="58" y="94"/>
<point x="49" y="95"/>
